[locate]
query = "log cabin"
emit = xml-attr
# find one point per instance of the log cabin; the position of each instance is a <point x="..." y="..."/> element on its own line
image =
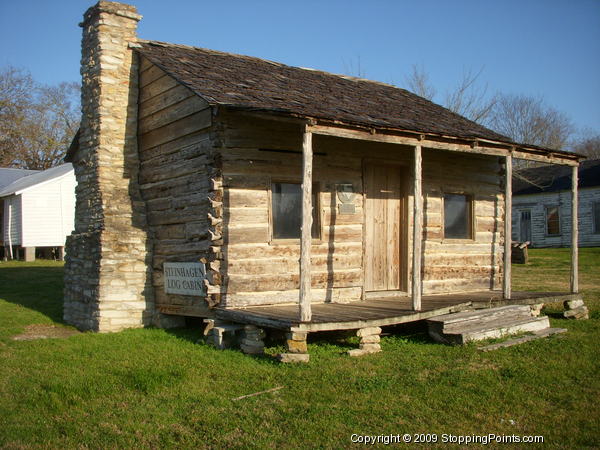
<point x="247" y="191"/>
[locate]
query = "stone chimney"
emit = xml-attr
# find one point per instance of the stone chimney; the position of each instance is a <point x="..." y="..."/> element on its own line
<point x="107" y="271"/>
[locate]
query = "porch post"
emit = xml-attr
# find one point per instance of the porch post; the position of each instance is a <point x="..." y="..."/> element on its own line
<point x="305" y="241"/>
<point x="417" y="231"/>
<point x="574" y="233"/>
<point x="506" y="281"/>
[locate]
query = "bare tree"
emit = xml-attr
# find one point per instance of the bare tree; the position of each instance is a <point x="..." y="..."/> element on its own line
<point x="588" y="145"/>
<point x="418" y="82"/>
<point x="354" y="68"/>
<point x="37" y="122"/>
<point x="471" y="100"/>
<point x="468" y="98"/>
<point x="529" y="120"/>
<point x="15" y="98"/>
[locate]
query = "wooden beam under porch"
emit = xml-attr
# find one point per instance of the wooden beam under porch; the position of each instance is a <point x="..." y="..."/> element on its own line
<point x="379" y="311"/>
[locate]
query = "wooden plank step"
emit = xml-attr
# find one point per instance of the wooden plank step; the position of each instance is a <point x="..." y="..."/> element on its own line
<point x="500" y="323"/>
<point x="489" y="330"/>
<point x="490" y="313"/>
<point x="546" y="332"/>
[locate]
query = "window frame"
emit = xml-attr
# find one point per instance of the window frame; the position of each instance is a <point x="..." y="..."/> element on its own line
<point x="546" y="208"/>
<point x="316" y="193"/>
<point x="470" y="211"/>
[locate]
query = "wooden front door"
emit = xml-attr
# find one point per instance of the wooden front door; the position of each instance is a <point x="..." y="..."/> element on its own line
<point x="384" y="230"/>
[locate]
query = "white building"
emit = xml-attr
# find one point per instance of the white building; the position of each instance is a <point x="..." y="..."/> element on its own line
<point x="38" y="211"/>
<point x="541" y="206"/>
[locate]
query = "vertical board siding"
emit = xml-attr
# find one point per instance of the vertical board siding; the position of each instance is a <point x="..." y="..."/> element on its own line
<point x="536" y="203"/>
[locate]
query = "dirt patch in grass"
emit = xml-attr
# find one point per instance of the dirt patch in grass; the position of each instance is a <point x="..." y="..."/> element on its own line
<point x="44" y="331"/>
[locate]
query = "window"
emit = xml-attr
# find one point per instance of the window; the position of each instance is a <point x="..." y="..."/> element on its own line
<point x="458" y="216"/>
<point x="286" y="210"/>
<point x="552" y="220"/>
<point x="596" y="213"/>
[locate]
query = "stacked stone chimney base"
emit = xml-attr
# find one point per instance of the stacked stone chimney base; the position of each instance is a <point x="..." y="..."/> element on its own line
<point x="107" y="271"/>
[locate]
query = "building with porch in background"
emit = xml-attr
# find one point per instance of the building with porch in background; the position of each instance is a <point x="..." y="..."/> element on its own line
<point x="542" y="205"/>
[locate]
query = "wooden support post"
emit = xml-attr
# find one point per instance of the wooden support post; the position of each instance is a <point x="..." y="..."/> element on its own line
<point x="417" y="231"/>
<point x="306" y="237"/>
<point x="506" y="281"/>
<point x="574" y="233"/>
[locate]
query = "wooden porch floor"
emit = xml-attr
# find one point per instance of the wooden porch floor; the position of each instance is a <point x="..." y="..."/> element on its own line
<point x="379" y="311"/>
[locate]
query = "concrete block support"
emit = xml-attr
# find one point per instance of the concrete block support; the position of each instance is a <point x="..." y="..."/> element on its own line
<point x="29" y="254"/>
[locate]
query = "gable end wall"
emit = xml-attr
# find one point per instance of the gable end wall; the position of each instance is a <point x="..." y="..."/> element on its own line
<point x="180" y="183"/>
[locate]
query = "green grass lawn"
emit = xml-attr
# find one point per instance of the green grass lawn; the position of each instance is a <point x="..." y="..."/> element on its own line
<point x="158" y="388"/>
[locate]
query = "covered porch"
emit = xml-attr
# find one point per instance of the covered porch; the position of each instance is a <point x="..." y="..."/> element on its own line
<point x="383" y="311"/>
<point x="416" y="303"/>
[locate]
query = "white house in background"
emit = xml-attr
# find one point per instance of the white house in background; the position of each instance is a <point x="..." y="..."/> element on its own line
<point x="39" y="211"/>
<point x="7" y="176"/>
<point x="541" y="205"/>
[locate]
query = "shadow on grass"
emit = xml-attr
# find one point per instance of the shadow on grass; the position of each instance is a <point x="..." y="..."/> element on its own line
<point x="37" y="288"/>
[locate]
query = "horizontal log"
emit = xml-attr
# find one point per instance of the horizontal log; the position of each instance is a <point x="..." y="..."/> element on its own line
<point x="488" y="224"/>
<point x="181" y="247"/>
<point x="290" y="249"/>
<point x="150" y="74"/>
<point x="257" y="283"/>
<point x="333" y="295"/>
<point x="169" y="232"/>
<point x="191" y="311"/>
<point x="245" y="234"/>
<point x="245" y="131"/>
<point x="254" y="182"/>
<point x="286" y="265"/>
<point x="145" y="63"/>
<point x="460" y="259"/>
<point x="177" y="216"/>
<point x="184" y="147"/>
<point x="177" y="187"/>
<point x="456" y="285"/>
<point x="157" y="87"/>
<point x="342" y="233"/>
<point x="244" y="198"/>
<point x="247" y="216"/>
<point x="165" y="100"/>
<point x="170" y="114"/>
<point x="174" y="170"/>
<point x="282" y="171"/>
<point x="465" y="272"/>
<point x="451" y="246"/>
<point x="175" y="130"/>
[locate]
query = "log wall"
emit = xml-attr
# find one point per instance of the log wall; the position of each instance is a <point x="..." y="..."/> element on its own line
<point x="462" y="265"/>
<point x="259" y="270"/>
<point x="178" y="164"/>
<point x="206" y="182"/>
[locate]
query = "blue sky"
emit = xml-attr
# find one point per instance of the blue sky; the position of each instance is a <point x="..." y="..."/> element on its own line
<point x="534" y="47"/>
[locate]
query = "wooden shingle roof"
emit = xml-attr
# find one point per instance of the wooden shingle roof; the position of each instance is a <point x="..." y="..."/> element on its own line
<point x="250" y="83"/>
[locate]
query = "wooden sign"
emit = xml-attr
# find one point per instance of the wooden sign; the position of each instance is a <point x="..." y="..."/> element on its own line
<point x="184" y="278"/>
